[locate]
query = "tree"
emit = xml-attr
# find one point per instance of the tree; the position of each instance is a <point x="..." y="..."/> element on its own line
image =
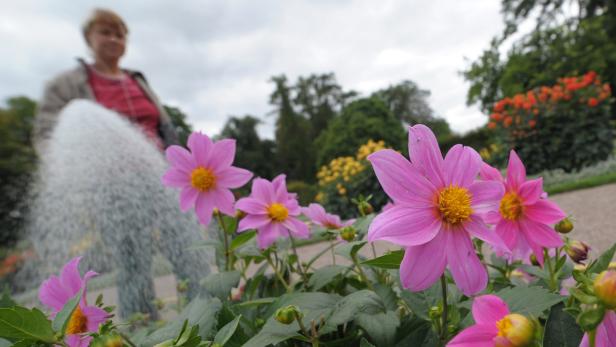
<point x="360" y="121"/>
<point x="178" y="118"/>
<point x="17" y="163"/>
<point x="407" y="102"/>
<point x="251" y="153"/>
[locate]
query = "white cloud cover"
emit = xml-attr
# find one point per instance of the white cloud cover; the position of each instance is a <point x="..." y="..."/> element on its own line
<point x="214" y="58"/>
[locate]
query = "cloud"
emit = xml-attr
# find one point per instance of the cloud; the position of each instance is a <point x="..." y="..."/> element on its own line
<point x="214" y="59"/>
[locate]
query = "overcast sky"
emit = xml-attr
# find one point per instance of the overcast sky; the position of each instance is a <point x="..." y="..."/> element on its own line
<point x="213" y="59"/>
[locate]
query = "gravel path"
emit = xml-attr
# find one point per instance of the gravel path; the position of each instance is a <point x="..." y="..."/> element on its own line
<point x="593" y="211"/>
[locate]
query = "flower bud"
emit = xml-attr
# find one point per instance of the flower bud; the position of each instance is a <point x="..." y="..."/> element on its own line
<point x="533" y="260"/>
<point x="577" y="250"/>
<point x="514" y="330"/>
<point x="240" y="214"/>
<point x="286" y="315"/>
<point x="564" y="226"/>
<point x="591" y="317"/>
<point x="348" y="233"/>
<point x="435" y="312"/>
<point x="365" y="208"/>
<point x="605" y="288"/>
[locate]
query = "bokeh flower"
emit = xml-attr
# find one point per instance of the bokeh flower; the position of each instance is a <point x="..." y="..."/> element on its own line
<point x="524" y="215"/>
<point x="438" y="205"/>
<point x="56" y="292"/>
<point x="205" y="175"/>
<point x="494" y="326"/>
<point x="319" y="216"/>
<point x="273" y="211"/>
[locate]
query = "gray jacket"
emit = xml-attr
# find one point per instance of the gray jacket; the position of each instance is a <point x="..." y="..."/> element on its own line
<point x="73" y="84"/>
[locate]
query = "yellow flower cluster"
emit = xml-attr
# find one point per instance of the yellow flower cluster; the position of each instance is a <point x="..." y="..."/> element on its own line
<point x="342" y="169"/>
<point x="370" y="147"/>
<point x="487" y="152"/>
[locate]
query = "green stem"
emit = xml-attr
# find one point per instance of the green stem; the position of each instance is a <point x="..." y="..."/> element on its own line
<point x="553" y="283"/>
<point x="280" y="278"/>
<point x="361" y="272"/>
<point x="592" y="335"/>
<point x="226" y="241"/>
<point x="331" y="247"/>
<point x="299" y="262"/>
<point x="444" y="318"/>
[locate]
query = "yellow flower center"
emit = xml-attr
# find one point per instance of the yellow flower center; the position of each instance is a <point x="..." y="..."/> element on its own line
<point x="78" y="323"/>
<point x="277" y="212"/>
<point x="516" y="329"/>
<point x="454" y="204"/>
<point x="202" y="179"/>
<point x="511" y="207"/>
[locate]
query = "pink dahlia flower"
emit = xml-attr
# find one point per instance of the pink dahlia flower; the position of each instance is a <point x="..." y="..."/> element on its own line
<point x="606" y="332"/>
<point x="318" y="216"/>
<point x="55" y="292"/>
<point x="524" y="214"/>
<point x="495" y="326"/>
<point x="438" y="205"/>
<point x="205" y="175"/>
<point x="272" y="211"/>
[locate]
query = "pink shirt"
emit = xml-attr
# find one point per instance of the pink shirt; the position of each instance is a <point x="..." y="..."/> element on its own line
<point x="125" y="96"/>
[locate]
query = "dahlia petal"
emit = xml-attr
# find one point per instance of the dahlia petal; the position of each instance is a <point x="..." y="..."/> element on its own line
<point x="461" y="166"/>
<point x="95" y="317"/>
<point x="486" y="196"/>
<point x="188" y="196"/>
<point x="223" y="200"/>
<point x="280" y="187"/>
<point x="508" y="232"/>
<point x="531" y="190"/>
<point x="201" y="147"/>
<point x="540" y="234"/>
<point x="423" y="265"/>
<point x="492" y="217"/>
<point x="478" y="335"/>
<point x="478" y="229"/>
<point x="488" y="309"/>
<point x="297" y="228"/>
<point x="253" y="221"/>
<point x="466" y="269"/>
<point x="426" y="154"/>
<point x="176" y="178"/>
<point x="70" y="277"/>
<point x="405" y="226"/>
<point x="204" y="207"/>
<point x="516" y="173"/>
<point x="53" y="294"/>
<point x="78" y="340"/>
<point x="400" y="179"/>
<point x="232" y="177"/>
<point x="267" y="235"/>
<point x="180" y="158"/>
<point x="84" y="282"/>
<point x="609" y="325"/>
<point x="489" y="173"/>
<point x="292" y="206"/>
<point x="316" y="213"/>
<point x="223" y="153"/>
<point x="263" y="190"/>
<point x="544" y="211"/>
<point x="251" y="206"/>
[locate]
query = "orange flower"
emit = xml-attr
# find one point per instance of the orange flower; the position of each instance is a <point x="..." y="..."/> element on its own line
<point x="507" y="122"/>
<point x="592" y="102"/>
<point x="491" y="125"/>
<point x="496" y="116"/>
<point x="532" y="123"/>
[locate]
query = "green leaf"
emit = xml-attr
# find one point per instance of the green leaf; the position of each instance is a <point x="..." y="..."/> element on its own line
<point x="227" y="331"/>
<point x="421" y="302"/>
<point x="256" y="302"/>
<point x="220" y="284"/>
<point x="200" y="311"/>
<point x="6" y="300"/>
<point x="561" y="330"/>
<point x="62" y="318"/>
<point x="349" y="250"/>
<point x="387" y="295"/>
<point x="20" y="323"/>
<point x="416" y="332"/>
<point x="603" y="261"/>
<point x="242" y="238"/>
<point x="362" y="223"/>
<point x="390" y="260"/>
<point x="365" y="343"/>
<point x="380" y="326"/>
<point x="230" y="224"/>
<point x="346" y="310"/>
<point x="323" y="276"/>
<point x="532" y="301"/>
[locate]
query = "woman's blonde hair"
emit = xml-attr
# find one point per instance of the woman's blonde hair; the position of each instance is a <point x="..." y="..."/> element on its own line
<point x="103" y="16"/>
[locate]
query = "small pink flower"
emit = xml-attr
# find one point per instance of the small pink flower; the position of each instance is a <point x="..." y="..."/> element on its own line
<point x="55" y="292"/>
<point x="524" y="213"/>
<point x="273" y="211"/>
<point x="438" y="205"/>
<point x="205" y="175"/>
<point x="318" y="216"/>
<point x="606" y="332"/>
<point x="495" y="326"/>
